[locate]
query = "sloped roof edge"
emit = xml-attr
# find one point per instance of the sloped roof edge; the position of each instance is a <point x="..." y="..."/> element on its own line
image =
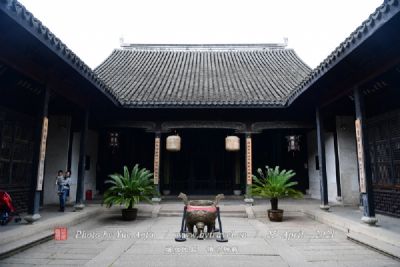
<point x="377" y="19"/>
<point x="27" y="20"/>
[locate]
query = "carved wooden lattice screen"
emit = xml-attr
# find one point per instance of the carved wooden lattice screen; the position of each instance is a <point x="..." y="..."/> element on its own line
<point x="384" y="145"/>
<point x="16" y="148"/>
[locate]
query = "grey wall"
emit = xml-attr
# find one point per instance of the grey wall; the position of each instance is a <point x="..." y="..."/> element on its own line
<point x="57" y="158"/>
<point x="314" y="175"/>
<point x="347" y="153"/>
<point x="347" y="156"/>
<point x="90" y="175"/>
<point x="56" y="155"/>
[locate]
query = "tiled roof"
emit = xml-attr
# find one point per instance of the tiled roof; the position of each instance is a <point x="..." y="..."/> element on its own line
<point x="202" y="75"/>
<point x="382" y="15"/>
<point x="22" y="16"/>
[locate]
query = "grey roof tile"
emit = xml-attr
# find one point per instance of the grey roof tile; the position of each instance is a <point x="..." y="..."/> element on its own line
<point x="202" y="75"/>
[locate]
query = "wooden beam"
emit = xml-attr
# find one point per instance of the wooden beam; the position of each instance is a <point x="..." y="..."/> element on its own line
<point x="361" y="79"/>
<point x="18" y="61"/>
<point x="170" y="125"/>
<point x="147" y="125"/>
<point x="264" y="125"/>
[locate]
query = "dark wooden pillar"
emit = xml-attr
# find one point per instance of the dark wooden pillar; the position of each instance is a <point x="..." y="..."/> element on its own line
<point x="364" y="167"/>
<point x="337" y="167"/>
<point x="79" y="203"/>
<point x="157" y="153"/>
<point x="39" y="158"/>
<point x="249" y="169"/>
<point x="322" y="159"/>
<point x="237" y="171"/>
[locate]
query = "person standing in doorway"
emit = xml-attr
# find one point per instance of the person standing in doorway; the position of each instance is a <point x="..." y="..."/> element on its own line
<point x="67" y="179"/>
<point x="61" y="189"/>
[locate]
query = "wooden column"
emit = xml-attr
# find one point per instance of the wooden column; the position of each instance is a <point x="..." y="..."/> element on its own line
<point x="364" y="167"/>
<point x="39" y="158"/>
<point x="157" y="152"/>
<point x="337" y="167"/>
<point x="249" y="169"/>
<point x="322" y="159"/>
<point x="79" y="203"/>
<point x="237" y="170"/>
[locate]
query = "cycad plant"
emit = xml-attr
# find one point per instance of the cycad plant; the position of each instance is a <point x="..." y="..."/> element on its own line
<point x="275" y="184"/>
<point x="129" y="188"/>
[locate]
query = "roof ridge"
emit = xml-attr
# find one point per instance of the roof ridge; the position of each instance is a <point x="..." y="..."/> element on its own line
<point x="205" y="47"/>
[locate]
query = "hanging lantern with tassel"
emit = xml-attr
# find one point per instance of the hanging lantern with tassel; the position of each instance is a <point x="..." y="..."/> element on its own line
<point x="232" y="143"/>
<point x="293" y="142"/>
<point x="173" y="143"/>
<point x="113" y="141"/>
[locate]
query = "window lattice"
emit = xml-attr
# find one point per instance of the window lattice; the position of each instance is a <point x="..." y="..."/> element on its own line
<point x="384" y="149"/>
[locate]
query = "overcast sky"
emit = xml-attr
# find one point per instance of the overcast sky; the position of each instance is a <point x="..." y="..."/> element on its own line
<point x="93" y="28"/>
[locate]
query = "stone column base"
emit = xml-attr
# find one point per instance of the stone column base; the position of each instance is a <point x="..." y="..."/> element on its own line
<point x="79" y="207"/>
<point x="369" y="220"/>
<point x="32" y="218"/>
<point x="249" y="201"/>
<point x="156" y="199"/>
<point x="324" y="207"/>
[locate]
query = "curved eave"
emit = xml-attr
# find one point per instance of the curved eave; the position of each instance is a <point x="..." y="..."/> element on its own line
<point x="375" y="21"/>
<point x="18" y="13"/>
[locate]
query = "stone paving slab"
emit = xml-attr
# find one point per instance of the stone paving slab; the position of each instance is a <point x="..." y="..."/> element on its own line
<point x="200" y="261"/>
<point x="263" y="243"/>
<point x="49" y="220"/>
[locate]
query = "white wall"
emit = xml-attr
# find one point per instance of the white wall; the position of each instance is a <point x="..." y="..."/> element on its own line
<point x="347" y="153"/>
<point x="314" y="175"/>
<point x="331" y="166"/>
<point x="56" y="155"/>
<point x="90" y="175"/>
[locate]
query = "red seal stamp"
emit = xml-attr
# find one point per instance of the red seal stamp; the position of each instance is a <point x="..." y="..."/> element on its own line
<point x="60" y="233"/>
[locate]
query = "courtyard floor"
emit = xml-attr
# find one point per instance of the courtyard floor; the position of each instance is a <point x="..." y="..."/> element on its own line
<point x="106" y="240"/>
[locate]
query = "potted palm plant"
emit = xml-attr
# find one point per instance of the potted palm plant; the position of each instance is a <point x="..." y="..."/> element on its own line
<point x="275" y="184"/>
<point x="128" y="189"/>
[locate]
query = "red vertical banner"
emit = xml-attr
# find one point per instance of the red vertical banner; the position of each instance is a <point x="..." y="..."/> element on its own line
<point x="42" y="156"/>
<point x="156" y="160"/>
<point x="360" y="156"/>
<point x="249" y="172"/>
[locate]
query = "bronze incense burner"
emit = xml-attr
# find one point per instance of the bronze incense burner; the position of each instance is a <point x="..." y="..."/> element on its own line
<point x="200" y="214"/>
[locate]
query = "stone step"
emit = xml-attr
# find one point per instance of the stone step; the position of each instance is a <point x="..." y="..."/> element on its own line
<point x="16" y="246"/>
<point x="223" y="214"/>
<point x="379" y="245"/>
<point x="170" y="214"/>
<point x="25" y="235"/>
